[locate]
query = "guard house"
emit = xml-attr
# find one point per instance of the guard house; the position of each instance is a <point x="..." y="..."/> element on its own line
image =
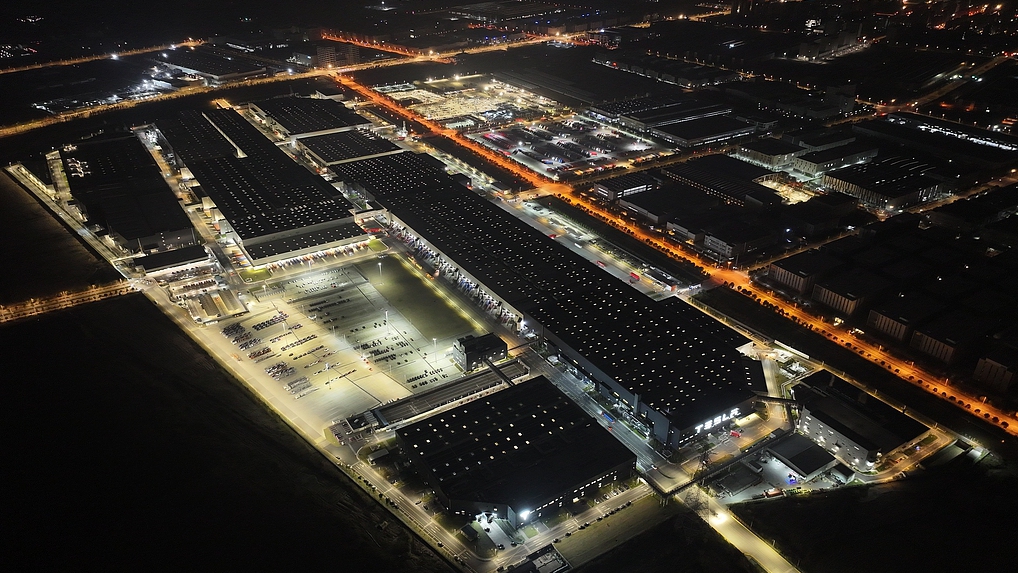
<point x="471" y="351"/>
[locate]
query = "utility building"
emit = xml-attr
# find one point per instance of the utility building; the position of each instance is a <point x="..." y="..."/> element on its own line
<point x="470" y="352"/>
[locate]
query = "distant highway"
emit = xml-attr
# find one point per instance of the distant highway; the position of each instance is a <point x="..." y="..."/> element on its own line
<point x="193" y="90"/>
<point x="943" y="90"/>
<point x="111" y="55"/>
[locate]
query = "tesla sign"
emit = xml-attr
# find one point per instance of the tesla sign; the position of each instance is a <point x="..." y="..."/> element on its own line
<point x="717" y="420"/>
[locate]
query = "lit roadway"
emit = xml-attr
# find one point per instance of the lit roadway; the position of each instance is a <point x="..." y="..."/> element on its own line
<point x="940" y="92"/>
<point x="66" y="299"/>
<point x="193" y="90"/>
<point x="114" y="55"/>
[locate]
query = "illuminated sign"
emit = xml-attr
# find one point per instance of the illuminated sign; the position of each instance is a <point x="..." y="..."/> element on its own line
<point x="716" y="421"/>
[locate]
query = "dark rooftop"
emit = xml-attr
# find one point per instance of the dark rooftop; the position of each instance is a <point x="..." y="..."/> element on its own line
<point x="822" y="138"/>
<point x="722" y="175"/>
<point x="344" y="146"/>
<point x="772" y="146"/>
<point x="167" y="259"/>
<point x="889" y="177"/>
<point x="954" y="139"/>
<point x="808" y="263"/>
<point x="522" y="446"/>
<point x="673" y="199"/>
<point x="206" y="61"/>
<point x="677" y="113"/>
<point x="847" y="246"/>
<point x="835" y="153"/>
<point x="631" y="106"/>
<point x="704" y="127"/>
<point x="854" y="284"/>
<point x="909" y="309"/>
<point x="957" y="327"/>
<point x="299" y="115"/>
<point x="801" y="454"/>
<point x="262" y="192"/>
<point x="628" y="181"/>
<point x="122" y="188"/>
<point x="303" y="240"/>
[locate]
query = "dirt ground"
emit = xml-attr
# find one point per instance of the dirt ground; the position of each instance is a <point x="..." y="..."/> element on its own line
<point x="129" y="447"/>
<point x="583" y="546"/>
<point x="40" y="257"/>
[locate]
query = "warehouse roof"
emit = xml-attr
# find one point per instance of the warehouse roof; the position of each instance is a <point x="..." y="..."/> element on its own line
<point x="122" y="188"/>
<point x="695" y="129"/>
<point x="257" y="187"/>
<point x="344" y="146"/>
<point x="674" y="364"/>
<point x="522" y="446"/>
<point x="299" y="115"/>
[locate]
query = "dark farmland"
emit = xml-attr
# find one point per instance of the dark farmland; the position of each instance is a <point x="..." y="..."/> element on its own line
<point x="128" y="446"/>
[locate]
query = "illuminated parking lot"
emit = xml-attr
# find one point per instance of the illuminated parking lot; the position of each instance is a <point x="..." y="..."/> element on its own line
<point x="330" y="344"/>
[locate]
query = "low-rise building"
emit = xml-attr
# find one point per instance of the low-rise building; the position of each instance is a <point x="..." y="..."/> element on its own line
<point x="800" y="272"/>
<point x="614" y="188"/>
<point x="997" y="368"/>
<point x="857" y="428"/>
<point x="890" y="184"/>
<point x="848" y="292"/>
<point x="802" y="455"/>
<point x="733" y="239"/>
<point x="658" y="206"/>
<point x="816" y="163"/>
<point x="471" y="352"/>
<point x="899" y="315"/>
<point x="947" y="337"/>
<point x="770" y="152"/>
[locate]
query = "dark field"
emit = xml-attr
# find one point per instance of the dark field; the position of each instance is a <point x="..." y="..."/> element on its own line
<point x="682" y="544"/>
<point x="40" y="257"/>
<point x="956" y="518"/>
<point x="129" y="447"/>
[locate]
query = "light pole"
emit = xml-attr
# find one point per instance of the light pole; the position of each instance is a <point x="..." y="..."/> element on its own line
<point x="435" y="341"/>
<point x="379" y="270"/>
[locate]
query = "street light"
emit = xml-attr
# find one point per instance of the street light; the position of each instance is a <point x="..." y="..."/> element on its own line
<point x="435" y="341"/>
<point x="379" y="270"/>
